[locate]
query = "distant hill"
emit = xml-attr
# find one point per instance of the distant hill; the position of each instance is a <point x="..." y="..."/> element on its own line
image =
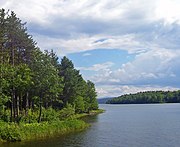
<point x="147" y="97"/>
<point x="103" y="100"/>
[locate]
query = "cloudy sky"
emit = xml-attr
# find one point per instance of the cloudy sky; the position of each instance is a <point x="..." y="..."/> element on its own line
<point x="123" y="46"/>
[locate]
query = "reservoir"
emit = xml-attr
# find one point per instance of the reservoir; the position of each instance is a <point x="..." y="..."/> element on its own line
<point x="139" y="125"/>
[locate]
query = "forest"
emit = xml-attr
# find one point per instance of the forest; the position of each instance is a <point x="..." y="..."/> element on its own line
<point x="147" y="97"/>
<point x="37" y="86"/>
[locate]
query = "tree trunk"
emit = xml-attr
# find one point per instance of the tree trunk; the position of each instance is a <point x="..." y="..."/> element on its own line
<point x="17" y="106"/>
<point x="27" y="103"/>
<point x="20" y="103"/>
<point x="13" y="106"/>
<point x="40" y="108"/>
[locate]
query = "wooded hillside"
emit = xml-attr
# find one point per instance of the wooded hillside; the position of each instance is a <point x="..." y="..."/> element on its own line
<point x="147" y="97"/>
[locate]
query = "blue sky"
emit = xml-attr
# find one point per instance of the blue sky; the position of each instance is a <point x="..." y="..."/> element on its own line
<point x="123" y="46"/>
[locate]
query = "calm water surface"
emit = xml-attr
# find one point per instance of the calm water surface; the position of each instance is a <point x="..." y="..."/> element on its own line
<point x="151" y="125"/>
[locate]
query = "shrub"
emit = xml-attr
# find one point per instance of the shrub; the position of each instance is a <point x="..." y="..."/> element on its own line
<point x="66" y="112"/>
<point x="31" y="117"/>
<point x="79" y="104"/>
<point x="5" y="115"/>
<point x="49" y="114"/>
<point x="10" y="132"/>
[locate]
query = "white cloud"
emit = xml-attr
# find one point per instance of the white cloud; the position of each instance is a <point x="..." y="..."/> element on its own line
<point x="99" y="67"/>
<point x="152" y="67"/>
<point x="168" y="10"/>
<point x="113" y="91"/>
<point x="70" y="26"/>
<point x="82" y="43"/>
<point x="151" y="29"/>
<point x="42" y="10"/>
<point x="86" y="54"/>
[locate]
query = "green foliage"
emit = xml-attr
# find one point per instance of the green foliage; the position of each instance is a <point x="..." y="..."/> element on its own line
<point x="35" y="87"/>
<point x="79" y="104"/>
<point x="30" y="117"/>
<point x="91" y="96"/>
<point x="6" y="73"/>
<point x="9" y="132"/>
<point x="66" y="112"/>
<point x="76" y="90"/>
<point x="147" y="97"/>
<point x="13" y="132"/>
<point x="94" y="104"/>
<point x="30" y="78"/>
<point x="3" y="100"/>
<point x="87" y="105"/>
<point x="49" y="115"/>
<point x="5" y="115"/>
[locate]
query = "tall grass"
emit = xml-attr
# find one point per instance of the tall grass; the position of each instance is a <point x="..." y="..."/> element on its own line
<point x="53" y="123"/>
<point x="13" y="132"/>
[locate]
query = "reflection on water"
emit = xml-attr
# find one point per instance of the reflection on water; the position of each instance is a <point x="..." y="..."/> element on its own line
<point x="122" y="126"/>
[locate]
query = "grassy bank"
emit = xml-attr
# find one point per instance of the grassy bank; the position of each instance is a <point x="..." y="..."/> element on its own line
<point x="12" y="132"/>
<point x="92" y="112"/>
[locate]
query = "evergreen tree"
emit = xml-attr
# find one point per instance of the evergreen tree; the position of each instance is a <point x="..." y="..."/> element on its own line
<point x="32" y="80"/>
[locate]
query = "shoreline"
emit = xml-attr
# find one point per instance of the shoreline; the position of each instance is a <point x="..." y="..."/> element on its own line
<point x="139" y="103"/>
<point x="91" y="113"/>
<point x="11" y="132"/>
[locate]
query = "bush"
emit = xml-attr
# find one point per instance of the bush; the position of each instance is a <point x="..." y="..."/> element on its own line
<point x="49" y="114"/>
<point x="66" y="112"/>
<point x="10" y="132"/>
<point x="31" y="117"/>
<point x="5" y="115"/>
<point x="79" y="104"/>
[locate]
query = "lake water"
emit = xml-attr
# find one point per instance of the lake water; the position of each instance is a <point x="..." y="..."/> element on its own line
<point x="149" y="125"/>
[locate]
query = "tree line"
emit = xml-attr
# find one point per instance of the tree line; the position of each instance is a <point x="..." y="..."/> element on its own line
<point x="34" y="80"/>
<point x="147" y="97"/>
